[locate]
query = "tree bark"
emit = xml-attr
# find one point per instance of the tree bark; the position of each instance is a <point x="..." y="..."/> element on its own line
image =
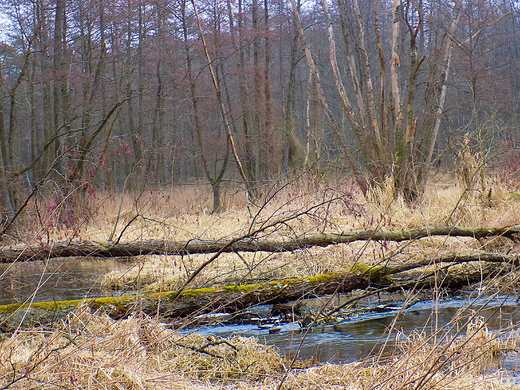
<point x="323" y="101"/>
<point x="248" y="244"/>
<point x="5" y="201"/>
<point x="214" y="180"/>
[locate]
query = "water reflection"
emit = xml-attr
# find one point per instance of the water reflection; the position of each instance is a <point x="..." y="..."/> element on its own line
<point x="56" y="279"/>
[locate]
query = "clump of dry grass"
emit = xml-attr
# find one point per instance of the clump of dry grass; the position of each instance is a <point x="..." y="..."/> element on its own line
<point x="95" y="352"/>
<point x="146" y="271"/>
<point x="469" y="361"/>
<point x="444" y="202"/>
<point x="167" y="273"/>
<point x="448" y="362"/>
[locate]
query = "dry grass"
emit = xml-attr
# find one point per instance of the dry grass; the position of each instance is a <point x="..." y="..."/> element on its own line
<point x="181" y="213"/>
<point x="94" y="352"/>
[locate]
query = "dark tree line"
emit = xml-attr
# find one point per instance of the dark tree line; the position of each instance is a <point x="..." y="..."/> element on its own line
<point x="137" y="93"/>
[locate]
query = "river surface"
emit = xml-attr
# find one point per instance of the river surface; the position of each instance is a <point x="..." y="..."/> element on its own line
<point x="367" y="334"/>
<point x="56" y="279"/>
<point x="350" y="340"/>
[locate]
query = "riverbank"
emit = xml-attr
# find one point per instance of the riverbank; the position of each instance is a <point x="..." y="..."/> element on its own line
<point x="91" y="352"/>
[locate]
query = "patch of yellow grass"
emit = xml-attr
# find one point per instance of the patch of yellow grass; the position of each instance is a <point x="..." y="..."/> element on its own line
<point x="445" y="203"/>
<point x="95" y="352"/>
<point x="181" y="213"/>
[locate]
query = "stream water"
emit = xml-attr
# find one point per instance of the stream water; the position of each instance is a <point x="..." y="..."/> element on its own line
<point x="367" y="334"/>
<point x="56" y="279"/>
<point x="347" y="341"/>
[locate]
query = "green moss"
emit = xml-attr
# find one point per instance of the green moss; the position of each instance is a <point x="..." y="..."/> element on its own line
<point x="317" y="279"/>
<point x="10" y="308"/>
<point x="118" y="302"/>
<point x="363" y="269"/>
<point x="195" y="292"/>
<point x="54" y="305"/>
<point x="515" y="197"/>
<point x="243" y="287"/>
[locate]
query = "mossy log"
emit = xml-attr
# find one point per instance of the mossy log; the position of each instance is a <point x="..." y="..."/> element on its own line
<point x="9" y="254"/>
<point x="235" y="298"/>
<point x="202" y="300"/>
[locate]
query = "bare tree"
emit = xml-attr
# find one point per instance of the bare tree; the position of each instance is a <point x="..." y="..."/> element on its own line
<point x="396" y="139"/>
<point x="214" y="180"/>
<point x="381" y="96"/>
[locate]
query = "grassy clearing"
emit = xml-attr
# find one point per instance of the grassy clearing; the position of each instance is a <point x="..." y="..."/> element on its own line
<point x="181" y="214"/>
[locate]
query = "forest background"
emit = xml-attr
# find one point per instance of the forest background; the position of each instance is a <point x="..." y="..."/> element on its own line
<point x="138" y="94"/>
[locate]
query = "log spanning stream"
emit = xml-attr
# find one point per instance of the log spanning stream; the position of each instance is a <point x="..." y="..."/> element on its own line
<point x="346" y="341"/>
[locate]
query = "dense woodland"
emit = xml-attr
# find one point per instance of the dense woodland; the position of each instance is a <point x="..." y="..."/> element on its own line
<point x="135" y="94"/>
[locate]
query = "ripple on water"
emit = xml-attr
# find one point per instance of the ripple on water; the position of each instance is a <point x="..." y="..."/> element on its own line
<point x="366" y="335"/>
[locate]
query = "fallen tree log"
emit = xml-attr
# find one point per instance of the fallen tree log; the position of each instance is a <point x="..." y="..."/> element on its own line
<point x="247" y="243"/>
<point x="236" y="298"/>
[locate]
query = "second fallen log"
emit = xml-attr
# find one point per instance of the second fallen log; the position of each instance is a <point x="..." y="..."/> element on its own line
<point x="190" y="302"/>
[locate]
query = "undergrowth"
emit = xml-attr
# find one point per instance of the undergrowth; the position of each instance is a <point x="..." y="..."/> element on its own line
<point x="91" y="351"/>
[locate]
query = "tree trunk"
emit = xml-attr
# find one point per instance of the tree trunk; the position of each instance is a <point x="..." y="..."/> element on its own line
<point x="6" y="204"/>
<point x="245" y="244"/>
<point x="216" y="181"/>
<point x="325" y="107"/>
<point x="294" y="152"/>
<point x="61" y="87"/>
<point x="223" y="111"/>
